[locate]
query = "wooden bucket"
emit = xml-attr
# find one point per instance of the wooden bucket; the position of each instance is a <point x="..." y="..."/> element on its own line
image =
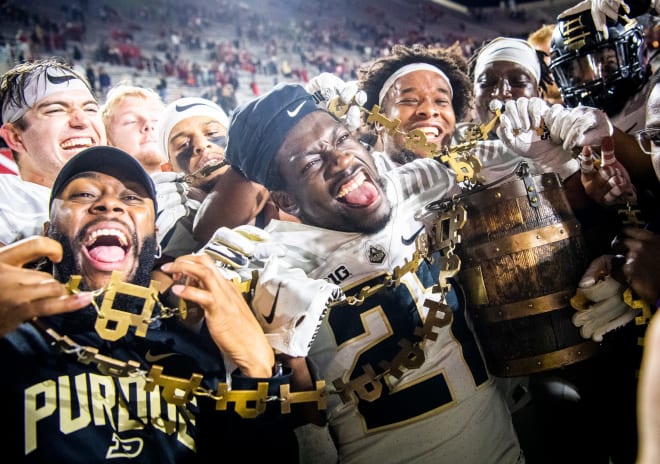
<point x="523" y="253"/>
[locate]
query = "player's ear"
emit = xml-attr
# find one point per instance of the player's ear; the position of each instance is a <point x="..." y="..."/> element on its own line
<point x="12" y="137"/>
<point x="285" y="202"/>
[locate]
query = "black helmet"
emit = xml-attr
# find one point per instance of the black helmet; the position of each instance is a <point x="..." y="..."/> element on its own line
<point x="598" y="72"/>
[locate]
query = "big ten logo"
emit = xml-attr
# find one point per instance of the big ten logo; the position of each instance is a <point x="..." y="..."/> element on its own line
<point x="339" y="275"/>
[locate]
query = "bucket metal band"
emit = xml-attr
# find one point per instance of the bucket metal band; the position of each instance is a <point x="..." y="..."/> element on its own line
<point x="524" y="241"/>
<point x="525" y="308"/>
<point x="544" y="362"/>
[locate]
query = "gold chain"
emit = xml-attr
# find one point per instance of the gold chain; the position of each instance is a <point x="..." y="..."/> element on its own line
<point x="411" y="356"/>
<point x="446" y="230"/>
<point x="631" y="216"/>
<point x="458" y="157"/>
<point x="179" y="391"/>
<point x="175" y="390"/>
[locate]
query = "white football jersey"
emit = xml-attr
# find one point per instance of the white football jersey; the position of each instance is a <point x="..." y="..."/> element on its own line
<point x="438" y="404"/>
<point x="23" y="208"/>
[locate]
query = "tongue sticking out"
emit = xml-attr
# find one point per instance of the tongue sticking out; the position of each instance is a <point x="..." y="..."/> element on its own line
<point x="364" y="195"/>
<point x="107" y="254"/>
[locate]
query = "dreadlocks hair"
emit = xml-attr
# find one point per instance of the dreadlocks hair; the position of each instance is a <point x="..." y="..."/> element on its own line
<point x="450" y="61"/>
<point x="546" y="75"/>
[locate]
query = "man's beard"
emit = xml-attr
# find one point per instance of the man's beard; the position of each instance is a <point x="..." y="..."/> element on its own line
<point x="151" y="159"/>
<point x="68" y="266"/>
<point x="376" y="224"/>
<point x="406" y="156"/>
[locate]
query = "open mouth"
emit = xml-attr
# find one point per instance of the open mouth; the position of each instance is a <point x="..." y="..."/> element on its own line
<point x="78" y="143"/>
<point x="212" y="165"/>
<point x="106" y="247"/>
<point x="359" y="191"/>
<point x="208" y="168"/>
<point x="431" y="133"/>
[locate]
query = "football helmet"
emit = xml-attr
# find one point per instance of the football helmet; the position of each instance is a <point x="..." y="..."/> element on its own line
<point x="594" y="71"/>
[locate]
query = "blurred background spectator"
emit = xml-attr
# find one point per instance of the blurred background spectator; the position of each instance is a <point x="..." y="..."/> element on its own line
<point x="196" y="47"/>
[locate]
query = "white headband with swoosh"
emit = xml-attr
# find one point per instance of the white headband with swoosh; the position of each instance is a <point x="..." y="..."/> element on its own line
<point x="407" y="69"/>
<point x="509" y="49"/>
<point x="184" y="108"/>
<point x="47" y="82"/>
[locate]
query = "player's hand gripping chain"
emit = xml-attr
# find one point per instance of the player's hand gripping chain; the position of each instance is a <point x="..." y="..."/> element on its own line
<point x="178" y="391"/>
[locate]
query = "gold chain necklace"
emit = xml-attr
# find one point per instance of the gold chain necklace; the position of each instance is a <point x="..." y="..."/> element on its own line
<point x="175" y="390"/>
<point x="446" y="234"/>
<point x="458" y="157"/>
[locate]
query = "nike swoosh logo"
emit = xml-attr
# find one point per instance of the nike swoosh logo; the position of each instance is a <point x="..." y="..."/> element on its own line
<point x="220" y="252"/>
<point x="157" y="357"/>
<point x="181" y="109"/>
<point x="271" y="316"/>
<point x="409" y="241"/>
<point x="60" y="79"/>
<point x="294" y="113"/>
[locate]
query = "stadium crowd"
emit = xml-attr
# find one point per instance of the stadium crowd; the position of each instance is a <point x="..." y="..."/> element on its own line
<point x="404" y="234"/>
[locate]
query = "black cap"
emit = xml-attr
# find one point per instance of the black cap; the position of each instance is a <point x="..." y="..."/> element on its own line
<point x="107" y="160"/>
<point x="259" y="127"/>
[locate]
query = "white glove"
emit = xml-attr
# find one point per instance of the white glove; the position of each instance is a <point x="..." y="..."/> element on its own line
<point x="173" y="203"/>
<point x="521" y="129"/>
<point x="599" y="301"/>
<point x="326" y="87"/>
<point x="290" y="306"/>
<point x="242" y="249"/>
<point x="577" y="127"/>
<point x="524" y="113"/>
<point x="600" y="11"/>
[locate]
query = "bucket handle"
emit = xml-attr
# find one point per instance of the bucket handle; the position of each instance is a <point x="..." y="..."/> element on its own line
<point x="521" y="170"/>
<point x="530" y="186"/>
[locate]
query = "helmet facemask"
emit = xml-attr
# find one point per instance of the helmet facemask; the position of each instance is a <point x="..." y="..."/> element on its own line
<point x="598" y="72"/>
